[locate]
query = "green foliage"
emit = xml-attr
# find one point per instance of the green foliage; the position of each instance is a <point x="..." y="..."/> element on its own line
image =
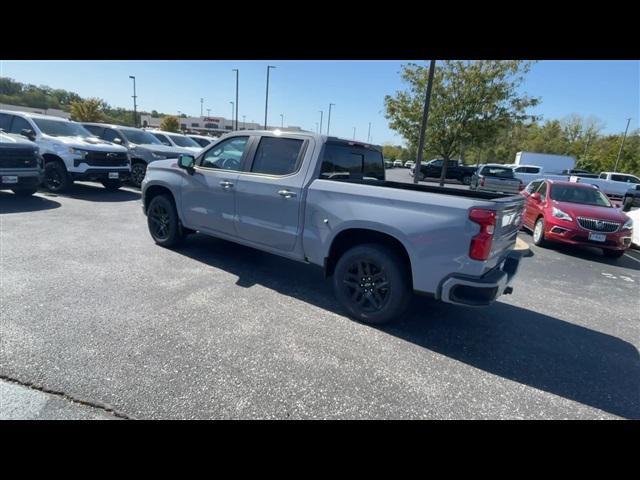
<point x="91" y="110"/>
<point x="170" y="124"/>
<point x="471" y="103"/>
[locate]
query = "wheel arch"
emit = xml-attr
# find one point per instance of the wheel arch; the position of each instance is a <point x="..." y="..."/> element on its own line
<point x="350" y="237"/>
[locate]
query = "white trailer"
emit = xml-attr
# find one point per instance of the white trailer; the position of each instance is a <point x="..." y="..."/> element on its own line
<point x="550" y="163"/>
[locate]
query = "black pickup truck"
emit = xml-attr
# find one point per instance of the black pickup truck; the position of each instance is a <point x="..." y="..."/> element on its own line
<point x="21" y="165"/>
<point x="455" y="171"/>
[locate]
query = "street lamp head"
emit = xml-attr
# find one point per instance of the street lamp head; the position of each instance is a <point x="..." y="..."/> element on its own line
<point x="131" y="76"/>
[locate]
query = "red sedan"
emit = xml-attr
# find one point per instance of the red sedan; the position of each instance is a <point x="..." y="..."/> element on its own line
<point x="577" y="214"/>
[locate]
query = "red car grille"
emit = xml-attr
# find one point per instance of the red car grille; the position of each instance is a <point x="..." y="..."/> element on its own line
<point x="596" y="225"/>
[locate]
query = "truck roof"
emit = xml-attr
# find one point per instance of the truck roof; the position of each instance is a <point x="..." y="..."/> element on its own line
<point x="35" y="115"/>
<point x="318" y="137"/>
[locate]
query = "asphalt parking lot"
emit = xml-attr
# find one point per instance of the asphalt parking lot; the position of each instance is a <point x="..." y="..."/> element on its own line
<point x="93" y="310"/>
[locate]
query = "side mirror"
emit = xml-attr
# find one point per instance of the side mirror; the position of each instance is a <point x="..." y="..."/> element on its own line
<point x="27" y="132"/>
<point x="117" y="140"/>
<point x="535" y="196"/>
<point x="187" y="162"/>
<point x="627" y="204"/>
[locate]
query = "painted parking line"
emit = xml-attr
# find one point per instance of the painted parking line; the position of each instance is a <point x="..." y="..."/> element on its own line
<point x="631" y="257"/>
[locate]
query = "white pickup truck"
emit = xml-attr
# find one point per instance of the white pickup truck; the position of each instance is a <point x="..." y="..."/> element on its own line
<point x="614" y="185"/>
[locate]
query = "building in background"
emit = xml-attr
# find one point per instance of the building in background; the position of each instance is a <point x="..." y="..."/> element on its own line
<point x="214" y="126"/>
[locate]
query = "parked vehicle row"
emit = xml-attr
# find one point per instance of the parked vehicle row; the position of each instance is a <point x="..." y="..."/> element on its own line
<point x="325" y="201"/>
<point x="70" y="151"/>
<point x="494" y="177"/>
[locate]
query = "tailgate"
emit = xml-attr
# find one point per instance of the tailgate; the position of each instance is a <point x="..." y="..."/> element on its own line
<point x="508" y="222"/>
<point x="501" y="185"/>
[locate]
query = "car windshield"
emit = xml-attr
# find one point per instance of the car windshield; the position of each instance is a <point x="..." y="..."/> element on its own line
<point x="584" y="196"/>
<point x="140" y="137"/>
<point x="183" y="141"/>
<point x="501" y="172"/>
<point x="62" y="128"/>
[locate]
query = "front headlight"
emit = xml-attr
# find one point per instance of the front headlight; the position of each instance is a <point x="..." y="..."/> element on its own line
<point x="77" y="151"/>
<point x="561" y="215"/>
<point x="628" y="225"/>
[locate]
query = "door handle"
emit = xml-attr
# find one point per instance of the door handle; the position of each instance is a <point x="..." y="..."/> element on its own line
<point x="226" y="185"/>
<point x="286" y="193"/>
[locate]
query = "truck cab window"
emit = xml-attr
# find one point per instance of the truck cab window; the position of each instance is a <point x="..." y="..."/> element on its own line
<point x="163" y="139"/>
<point x="226" y="155"/>
<point x="110" y="135"/>
<point x="19" y="124"/>
<point x="277" y="156"/>
<point x="344" y="161"/>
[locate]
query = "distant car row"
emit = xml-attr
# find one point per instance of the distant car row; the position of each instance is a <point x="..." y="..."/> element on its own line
<point x="398" y="163"/>
<point x="52" y="151"/>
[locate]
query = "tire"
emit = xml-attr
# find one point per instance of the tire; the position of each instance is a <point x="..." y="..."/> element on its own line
<point x="138" y="171"/>
<point x="112" y="185"/>
<point x="612" y="253"/>
<point x="24" y="192"/>
<point x="163" y="223"/>
<point x="378" y="305"/>
<point x="538" y="238"/>
<point x="56" y="178"/>
<point x="466" y="180"/>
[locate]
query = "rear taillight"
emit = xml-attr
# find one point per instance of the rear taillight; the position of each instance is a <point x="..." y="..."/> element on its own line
<point x="521" y="186"/>
<point x="481" y="244"/>
<point x="482" y="182"/>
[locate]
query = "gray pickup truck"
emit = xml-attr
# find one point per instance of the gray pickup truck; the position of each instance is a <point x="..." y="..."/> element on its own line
<point x="21" y="165"/>
<point x="325" y="201"/>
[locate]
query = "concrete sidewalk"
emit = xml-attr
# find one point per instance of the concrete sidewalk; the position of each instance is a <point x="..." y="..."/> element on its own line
<point x="18" y="402"/>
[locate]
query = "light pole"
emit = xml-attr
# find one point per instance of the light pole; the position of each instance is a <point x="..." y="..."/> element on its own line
<point x="237" y="80"/>
<point x="208" y="112"/>
<point x="321" y="113"/>
<point x="369" y="133"/>
<point x="423" y="127"/>
<point x="231" y="114"/>
<point x="201" y="107"/>
<point x="135" y="107"/>
<point x="244" y="126"/>
<point x="329" y="117"/>
<point x="266" y="101"/>
<point x="615" y="169"/>
<point x="281" y="120"/>
<point x="354" y="133"/>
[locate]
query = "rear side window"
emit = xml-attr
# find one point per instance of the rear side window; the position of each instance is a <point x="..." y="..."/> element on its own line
<point x="345" y="161"/>
<point x="533" y="186"/>
<point x="501" y="172"/>
<point x="277" y="156"/>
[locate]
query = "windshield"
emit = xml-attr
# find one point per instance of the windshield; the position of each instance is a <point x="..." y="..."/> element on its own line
<point x="501" y="172"/>
<point x="583" y="196"/>
<point x="140" y="137"/>
<point x="62" y="128"/>
<point x="183" y="141"/>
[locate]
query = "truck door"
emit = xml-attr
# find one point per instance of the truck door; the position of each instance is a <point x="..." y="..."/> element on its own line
<point x="269" y="193"/>
<point x="209" y="194"/>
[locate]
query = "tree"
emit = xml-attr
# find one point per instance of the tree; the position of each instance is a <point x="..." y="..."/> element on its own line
<point x="90" y="110"/>
<point x="170" y="124"/>
<point x="471" y="102"/>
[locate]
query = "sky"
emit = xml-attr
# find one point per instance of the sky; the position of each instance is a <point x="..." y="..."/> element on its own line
<point x="608" y="90"/>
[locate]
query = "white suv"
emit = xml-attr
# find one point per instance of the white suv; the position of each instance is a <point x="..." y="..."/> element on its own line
<point x="176" y="140"/>
<point x="69" y="150"/>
